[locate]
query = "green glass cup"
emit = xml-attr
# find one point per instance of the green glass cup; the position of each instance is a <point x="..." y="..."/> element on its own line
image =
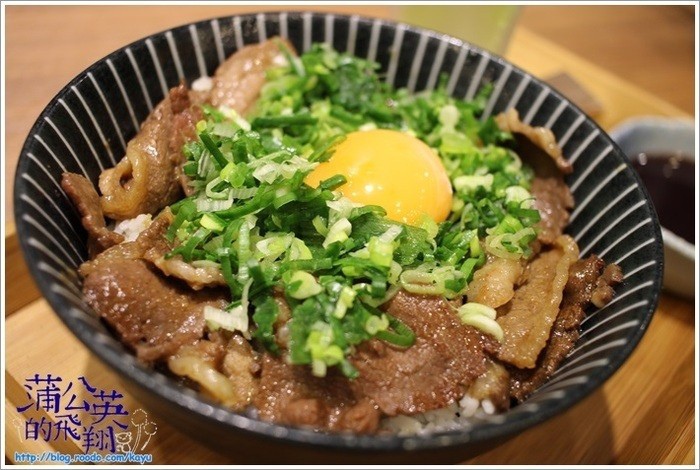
<point x="487" y="26"/>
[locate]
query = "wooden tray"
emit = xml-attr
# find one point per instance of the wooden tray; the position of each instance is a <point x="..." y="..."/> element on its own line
<point x="645" y="414"/>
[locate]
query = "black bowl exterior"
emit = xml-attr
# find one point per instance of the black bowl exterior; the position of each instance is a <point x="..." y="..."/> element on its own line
<point x="86" y="126"/>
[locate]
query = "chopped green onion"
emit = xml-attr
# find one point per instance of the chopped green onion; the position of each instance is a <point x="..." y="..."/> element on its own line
<point x="264" y="317"/>
<point x="323" y="352"/>
<point x="449" y="116"/>
<point x="244" y="252"/>
<point x="253" y="217"/>
<point x="216" y="189"/>
<point x="511" y="245"/>
<point x="213" y="222"/>
<point x="333" y="182"/>
<point x="235" y="319"/>
<point x="518" y="194"/>
<point x="391" y="234"/>
<point x="380" y="252"/>
<point x="469" y="183"/>
<point x="401" y="335"/>
<point x="436" y="282"/>
<point x="345" y="301"/>
<point x="188" y="248"/>
<point x="205" y="204"/>
<point x="302" y="285"/>
<point x="320" y="225"/>
<point x="213" y="149"/>
<point x="324" y="152"/>
<point x="298" y="250"/>
<point x="375" y="324"/>
<point x="274" y="246"/>
<point x="307" y="265"/>
<point x="429" y="225"/>
<point x="233" y="115"/>
<point x="184" y="212"/>
<point x="474" y="308"/>
<point x="284" y="121"/>
<point x="338" y="232"/>
<point x="481" y="317"/>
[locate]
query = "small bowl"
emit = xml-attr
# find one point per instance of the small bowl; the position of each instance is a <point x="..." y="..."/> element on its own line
<point x="85" y="127"/>
<point x="660" y="135"/>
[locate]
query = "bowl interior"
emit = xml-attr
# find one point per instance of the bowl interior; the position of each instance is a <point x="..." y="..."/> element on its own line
<point x="86" y="126"/>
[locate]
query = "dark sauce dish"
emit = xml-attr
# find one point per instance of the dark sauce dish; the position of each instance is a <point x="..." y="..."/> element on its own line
<point x="670" y="180"/>
<point x="105" y="103"/>
<point x="662" y="152"/>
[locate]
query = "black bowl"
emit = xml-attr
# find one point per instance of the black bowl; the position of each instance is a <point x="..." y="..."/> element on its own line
<point x="84" y="129"/>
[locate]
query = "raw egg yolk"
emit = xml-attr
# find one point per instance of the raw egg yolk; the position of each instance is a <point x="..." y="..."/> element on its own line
<point x="393" y="170"/>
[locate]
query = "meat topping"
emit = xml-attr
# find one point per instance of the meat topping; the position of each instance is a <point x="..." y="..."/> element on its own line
<point x="436" y="370"/>
<point x="586" y="277"/>
<point x="87" y="201"/>
<point x="528" y="318"/>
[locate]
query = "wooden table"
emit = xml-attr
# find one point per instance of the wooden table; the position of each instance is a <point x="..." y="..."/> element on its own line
<point x="645" y="414"/>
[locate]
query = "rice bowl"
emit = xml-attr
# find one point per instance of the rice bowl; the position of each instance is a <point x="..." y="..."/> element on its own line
<point x="573" y="131"/>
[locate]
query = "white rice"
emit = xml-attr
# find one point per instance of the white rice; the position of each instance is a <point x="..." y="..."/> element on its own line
<point x="131" y="228"/>
<point x="459" y="415"/>
<point x="203" y="84"/>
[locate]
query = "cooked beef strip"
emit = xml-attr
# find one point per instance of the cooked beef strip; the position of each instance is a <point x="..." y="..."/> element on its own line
<point x="153" y="247"/>
<point x="147" y="178"/>
<point x="152" y="314"/>
<point x="553" y="199"/>
<point x="187" y="111"/>
<point x="586" y="276"/>
<point x="538" y="148"/>
<point x="85" y="198"/>
<point x="443" y="363"/>
<point x="494" y="283"/>
<point x="239" y="79"/>
<point x="152" y="238"/>
<point x="603" y="293"/>
<point x="150" y="176"/>
<point x="493" y="385"/>
<point x="197" y="277"/>
<point x="291" y="395"/>
<point x="541" y="137"/>
<point x="527" y="319"/>
<point x="436" y="370"/>
<point x="241" y="364"/>
<point x="181" y="98"/>
<point x="223" y="366"/>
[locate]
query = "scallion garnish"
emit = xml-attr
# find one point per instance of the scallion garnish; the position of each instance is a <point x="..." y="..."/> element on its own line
<point x="336" y="263"/>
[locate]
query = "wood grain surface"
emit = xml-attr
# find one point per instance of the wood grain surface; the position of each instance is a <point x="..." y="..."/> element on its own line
<point x="651" y="46"/>
<point x="645" y="414"/>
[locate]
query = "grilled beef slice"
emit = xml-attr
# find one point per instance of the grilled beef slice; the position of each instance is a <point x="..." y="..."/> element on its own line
<point x="152" y="314"/>
<point x="538" y="147"/>
<point x="436" y="370"/>
<point x="239" y="79"/>
<point x="85" y="198"/>
<point x="147" y="178"/>
<point x="291" y="395"/>
<point x="528" y="318"/>
<point x="586" y="278"/>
